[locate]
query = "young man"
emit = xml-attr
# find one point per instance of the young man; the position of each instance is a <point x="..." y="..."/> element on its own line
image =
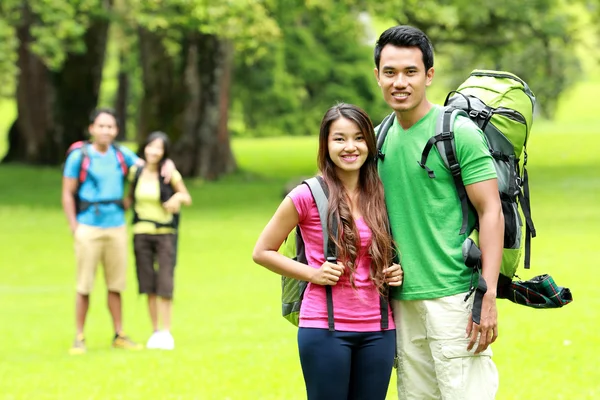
<point x="443" y="354"/>
<point x="96" y="217"/>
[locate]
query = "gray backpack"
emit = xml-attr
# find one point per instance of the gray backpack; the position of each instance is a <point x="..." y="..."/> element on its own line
<point x="292" y="290"/>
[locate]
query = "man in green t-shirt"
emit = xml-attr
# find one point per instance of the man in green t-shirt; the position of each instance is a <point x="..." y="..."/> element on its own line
<point x="443" y="354"/>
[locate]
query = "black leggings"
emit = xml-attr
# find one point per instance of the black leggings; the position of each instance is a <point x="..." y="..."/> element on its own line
<point x="346" y="365"/>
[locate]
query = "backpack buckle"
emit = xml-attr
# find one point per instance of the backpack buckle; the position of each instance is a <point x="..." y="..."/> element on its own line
<point x="455" y="169"/>
<point x="446" y="135"/>
<point x="473" y="114"/>
<point x="485" y="113"/>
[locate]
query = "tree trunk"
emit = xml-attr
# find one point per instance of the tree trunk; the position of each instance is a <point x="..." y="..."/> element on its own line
<point x="163" y="102"/>
<point x="53" y="107"/>
<point x="34" y="95"/>
<point x="122" y="97"/>
<point x="204" y="148"/>
<point x="78" y="88"/>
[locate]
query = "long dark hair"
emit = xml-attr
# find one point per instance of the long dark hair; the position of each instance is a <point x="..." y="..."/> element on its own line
<point x="166" y="191"/>
<point x="371" y="201"/>
<point x="151" y="138"/>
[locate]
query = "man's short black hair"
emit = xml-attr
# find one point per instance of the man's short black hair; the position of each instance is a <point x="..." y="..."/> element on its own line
<point x="405" y="36"/>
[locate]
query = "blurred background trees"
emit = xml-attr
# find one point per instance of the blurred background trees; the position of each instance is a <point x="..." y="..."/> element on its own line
<point x="203" y="70"/>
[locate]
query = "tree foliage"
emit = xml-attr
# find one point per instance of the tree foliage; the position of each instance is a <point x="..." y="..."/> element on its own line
<point x="322" y="58"/>
<point x="278" y="64"/>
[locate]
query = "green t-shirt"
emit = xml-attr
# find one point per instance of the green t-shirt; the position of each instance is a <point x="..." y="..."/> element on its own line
<point x="425" y="213"/>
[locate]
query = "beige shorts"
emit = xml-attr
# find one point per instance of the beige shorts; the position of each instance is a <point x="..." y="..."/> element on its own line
<point x="107" y="246"/>
<point x="434" y="363"/>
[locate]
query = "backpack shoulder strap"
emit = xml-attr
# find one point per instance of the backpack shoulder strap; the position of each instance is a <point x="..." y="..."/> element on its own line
<point x="320" y="194"/>
<point x="136" y="177"/>
<point x="446" y="145"/>
<point x="84" y="166"/>
<point x="121" y="159"/>
<point x="133" y="185"/>
<point x="382" y="131"/>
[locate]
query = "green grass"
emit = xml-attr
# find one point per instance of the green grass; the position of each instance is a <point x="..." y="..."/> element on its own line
<point x="231" y="341"/>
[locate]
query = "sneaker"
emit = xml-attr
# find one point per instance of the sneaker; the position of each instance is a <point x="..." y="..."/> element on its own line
<point x="154" y="341"/>
<point x="166" y="341"/>
<point x="78" y="345"/>
<point x="122" y="341"/>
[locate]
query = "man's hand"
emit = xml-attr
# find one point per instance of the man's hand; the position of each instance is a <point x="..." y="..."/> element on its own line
<point x="488" y="329"/>
<point x="73" y="226"/>
<point x="167" y="170"/>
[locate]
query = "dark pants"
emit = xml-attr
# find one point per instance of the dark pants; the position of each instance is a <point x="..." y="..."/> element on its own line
<point x="346" y="365"/>
<point x="151" y="249"/>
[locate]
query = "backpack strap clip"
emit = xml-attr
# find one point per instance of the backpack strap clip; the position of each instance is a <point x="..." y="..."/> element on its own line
<point x="455" y="169"/>
<point x="430" y="173"/>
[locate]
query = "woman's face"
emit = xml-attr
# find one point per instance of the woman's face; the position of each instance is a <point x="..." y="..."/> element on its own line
<point x="154" y="151"/>
<point x="347" y="146"/>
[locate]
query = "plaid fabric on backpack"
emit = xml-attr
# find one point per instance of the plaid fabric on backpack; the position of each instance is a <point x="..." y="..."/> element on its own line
<point x="538" y="292"/>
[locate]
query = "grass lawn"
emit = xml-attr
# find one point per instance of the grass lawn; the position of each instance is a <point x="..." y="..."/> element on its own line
<point x="231" y="342"/>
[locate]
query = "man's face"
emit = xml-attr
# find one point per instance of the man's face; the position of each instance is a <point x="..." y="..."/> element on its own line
<point x="104" y="129"/>
<point x="402" y="77"/>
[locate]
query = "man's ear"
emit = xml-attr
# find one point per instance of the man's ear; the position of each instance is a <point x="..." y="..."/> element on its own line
<point x="429" y="76"/>
<point x="376" y="72"/>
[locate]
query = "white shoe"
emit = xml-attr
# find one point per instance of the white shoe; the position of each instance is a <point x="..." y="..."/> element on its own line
<point x="154" y="341"/>
<point x="166" y="341"/>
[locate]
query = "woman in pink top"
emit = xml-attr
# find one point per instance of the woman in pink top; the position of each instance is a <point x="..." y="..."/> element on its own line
<point x="355" y="360"/>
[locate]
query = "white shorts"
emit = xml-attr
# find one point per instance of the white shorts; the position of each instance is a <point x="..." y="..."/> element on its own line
<point x="432" y="348"/>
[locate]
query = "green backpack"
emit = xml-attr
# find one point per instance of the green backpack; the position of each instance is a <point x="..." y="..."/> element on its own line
<point x="292" y="290"/>
<point x="501" y="105"/>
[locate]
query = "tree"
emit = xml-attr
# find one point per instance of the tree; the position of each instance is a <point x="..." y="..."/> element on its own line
<point x="186" y="56"/>
<point x="322" y="58"/>
<point x="60" y="53"/>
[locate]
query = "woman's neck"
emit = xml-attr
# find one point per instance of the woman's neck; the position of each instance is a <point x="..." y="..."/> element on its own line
<point x="151" y="167"/>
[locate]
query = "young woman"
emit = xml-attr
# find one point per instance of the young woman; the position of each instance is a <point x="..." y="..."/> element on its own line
<point x="156" y="214"/>
<point x="354" y="361"/>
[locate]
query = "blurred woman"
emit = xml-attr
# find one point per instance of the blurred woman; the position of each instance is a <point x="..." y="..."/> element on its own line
<point x="156" y="206"/>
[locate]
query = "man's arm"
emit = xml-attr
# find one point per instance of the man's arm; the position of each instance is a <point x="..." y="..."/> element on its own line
<point x="484" y="197"/>
<point x="69" y="188"/>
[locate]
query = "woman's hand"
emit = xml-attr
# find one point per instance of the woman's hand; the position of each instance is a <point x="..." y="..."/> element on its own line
<point x="327" y="274"/>
<point x="394" y="276"/>
<point x="173" y="205"/>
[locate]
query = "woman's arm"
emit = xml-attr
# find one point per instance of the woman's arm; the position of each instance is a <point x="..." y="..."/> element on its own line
<point x="181" y="193"/>
<point x="181" y="196"/>
<point x="265" y="252"/>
